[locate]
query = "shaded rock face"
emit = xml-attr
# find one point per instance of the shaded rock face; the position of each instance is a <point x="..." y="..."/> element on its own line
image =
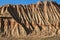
<point x="42" y="19"/>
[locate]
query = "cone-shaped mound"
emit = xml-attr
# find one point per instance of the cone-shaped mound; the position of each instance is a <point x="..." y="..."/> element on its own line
<point x="41" y="19"/>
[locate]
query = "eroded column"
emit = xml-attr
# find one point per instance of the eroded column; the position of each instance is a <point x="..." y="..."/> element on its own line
<point x="6" y="26"/>
<point x="0" y="24"/>
<point x="14" y="28"/>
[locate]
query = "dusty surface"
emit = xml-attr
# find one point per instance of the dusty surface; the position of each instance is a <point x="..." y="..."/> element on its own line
<point x="40" y="19"/>
<point x="55" y="37"/>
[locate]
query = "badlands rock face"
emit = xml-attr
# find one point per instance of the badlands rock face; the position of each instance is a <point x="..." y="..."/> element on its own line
<point x="41" y="19"/>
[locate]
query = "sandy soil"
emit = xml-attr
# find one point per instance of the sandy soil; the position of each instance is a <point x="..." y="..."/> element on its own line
<point x="56" y="37"/>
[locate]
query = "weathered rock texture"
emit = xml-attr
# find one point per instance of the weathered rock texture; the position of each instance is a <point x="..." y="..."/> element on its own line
<point x="41" y="19"/>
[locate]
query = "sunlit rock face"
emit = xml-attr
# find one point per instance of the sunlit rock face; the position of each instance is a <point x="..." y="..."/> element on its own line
<point x="41" y="19"/>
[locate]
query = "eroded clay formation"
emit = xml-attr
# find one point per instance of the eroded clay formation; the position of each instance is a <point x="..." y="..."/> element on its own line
<point x="29" y="20"/>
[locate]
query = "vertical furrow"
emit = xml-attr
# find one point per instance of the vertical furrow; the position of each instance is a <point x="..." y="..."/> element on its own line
<point x="26" y="13"/>
<point x="28" y="23"/>
<point x="37" y="15"/>
<point x="0" y="24"/>
<point x="48" y="13"/>
<point x="29" y="14"/>
<point x="20" y="14"/>
<point x="50" y="17"/>
<point x="12" y="25"/>
<point x="43" y="16"/>
<point x="52" y="12"/>
<point x="21" y="20"/>
<point x="2" y="10"/>
<point x="33" y="13"/>
<point x="22" y="30"/>
<point x="24" y="17"/>
<point x="6" y="25"/>
<point x="15" y="31"/>
<point x="39" y="18"/>
<point x="55" y="16"/>
<point x="56" y="11"/>
<point x="45" y="13"/>
<point x="23" y="14"/>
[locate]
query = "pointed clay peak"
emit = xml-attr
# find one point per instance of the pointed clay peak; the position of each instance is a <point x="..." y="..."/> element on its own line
<point x="39" y="3"/>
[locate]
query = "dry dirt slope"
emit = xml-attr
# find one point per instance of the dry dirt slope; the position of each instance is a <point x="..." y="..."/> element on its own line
<point x="40" y="19"/>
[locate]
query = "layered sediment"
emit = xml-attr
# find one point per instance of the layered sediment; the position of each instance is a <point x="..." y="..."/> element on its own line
<point x="41" y="19"/>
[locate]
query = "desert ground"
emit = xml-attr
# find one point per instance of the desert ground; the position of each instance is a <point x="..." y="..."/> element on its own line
<point x="55" y="37"/>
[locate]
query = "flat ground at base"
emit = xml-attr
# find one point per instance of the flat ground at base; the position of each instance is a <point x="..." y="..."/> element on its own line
<point x="56" y="37"/>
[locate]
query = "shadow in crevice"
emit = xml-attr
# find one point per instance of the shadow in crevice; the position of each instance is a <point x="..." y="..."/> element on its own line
<point x="39" y="27"/>
<point x="2" y="25"/>
<point x="15" y="15"/>
<point x="26" y="29"/>
<point x="13" y="12"/>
